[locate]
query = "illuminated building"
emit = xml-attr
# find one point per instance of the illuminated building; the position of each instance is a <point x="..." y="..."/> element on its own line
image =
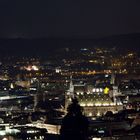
<point x="96" y="102"/>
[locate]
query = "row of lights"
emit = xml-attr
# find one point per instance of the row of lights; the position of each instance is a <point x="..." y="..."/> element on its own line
<point x="96" y="90"/>
<point x="82" y="93"/>
<point x="98" y="114"/>
<point x="36" y="138"/>
<point x="97" y="98"/>
<point x="93" y="90"/>
<point x="100" y="104"/>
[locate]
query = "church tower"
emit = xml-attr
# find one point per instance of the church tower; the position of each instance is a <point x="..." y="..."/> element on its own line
<point x="112" y="80"/>
<point x="69" y="94"/>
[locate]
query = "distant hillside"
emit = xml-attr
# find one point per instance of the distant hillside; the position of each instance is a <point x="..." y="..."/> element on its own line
<point x="46" y="46"/>
<point x="129" y="40"/>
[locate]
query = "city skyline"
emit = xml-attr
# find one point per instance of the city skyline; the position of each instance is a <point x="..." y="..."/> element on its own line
<point x="69" y="69"/>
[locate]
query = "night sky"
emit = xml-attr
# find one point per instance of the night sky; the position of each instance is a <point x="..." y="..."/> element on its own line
<point x="68" y="18"/>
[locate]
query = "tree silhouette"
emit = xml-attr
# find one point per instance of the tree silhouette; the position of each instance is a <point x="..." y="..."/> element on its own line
<point x="74" y="124"/>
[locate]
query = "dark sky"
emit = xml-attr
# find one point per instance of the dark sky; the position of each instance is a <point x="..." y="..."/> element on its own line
<point x="68" y="18"/>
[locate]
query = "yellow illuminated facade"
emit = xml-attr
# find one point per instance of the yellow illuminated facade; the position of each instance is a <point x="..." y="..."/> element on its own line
<point x="106" y="90"/>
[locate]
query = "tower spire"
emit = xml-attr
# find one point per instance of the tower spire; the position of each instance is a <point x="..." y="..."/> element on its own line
<point x="71" y="88"/>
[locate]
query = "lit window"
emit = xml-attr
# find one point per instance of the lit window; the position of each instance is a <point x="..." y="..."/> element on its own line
<point x="82" y="104"/>
<point x="98" y="114"/>
<point x="90" y="114"/>
<point x="93" y="90"/>
<point x="97" y="90"/>
<point x="101" y="90"/>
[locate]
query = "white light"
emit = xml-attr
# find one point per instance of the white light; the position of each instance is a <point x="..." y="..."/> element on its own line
<point x="101" y="90"/>
<point x="68" y="93"/>
<point x="98" y="104"/>
<point x="33" y="89"/>
<point x="126" y="86"/>
<point x="89" y="104"/>
<point x="11" y="86"/>
<point x="93" y="90"/>
<point x="97" y="90"/>
<point x="90" y="114"/>
<point x="105" y="104"/>
<point x="112" y="104"/>
<point x="2" y="133"/>
<point x="98" y="114"/>
<point x="57" y="70"/>
<point x="4" y="139"/>
<point x="119" y="103"/>
<point x="106" y="75"/>
<point x="82" y="104"/>
<point x="35" y="68"/>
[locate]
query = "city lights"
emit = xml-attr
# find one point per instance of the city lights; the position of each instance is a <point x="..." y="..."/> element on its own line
<point x="69" y="70"/>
